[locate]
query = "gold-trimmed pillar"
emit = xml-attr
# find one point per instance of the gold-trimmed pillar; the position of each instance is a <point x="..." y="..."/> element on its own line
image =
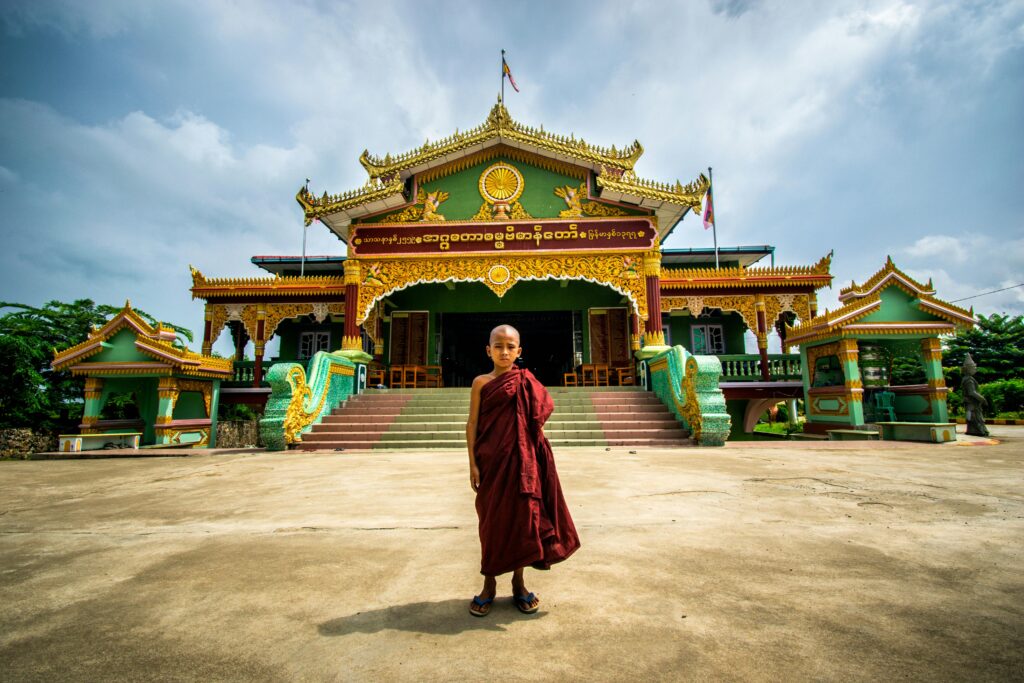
<point x="93" y="404"/>
<point x="352" y="336"/>
<point x="260" y="344"/>
<point x="762" y="336"/>
<point x="653" y="335"/>
<point x="167" y="394"/>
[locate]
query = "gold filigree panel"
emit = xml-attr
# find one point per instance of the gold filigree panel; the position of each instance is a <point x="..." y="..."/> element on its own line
<point x="739" y="303"/>
<point x="501" y="273"/>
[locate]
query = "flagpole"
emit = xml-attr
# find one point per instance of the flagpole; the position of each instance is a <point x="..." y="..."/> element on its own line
<point x="503" y="77"/>
<point x="714" y="222"/>
<point x="305" y="229"/>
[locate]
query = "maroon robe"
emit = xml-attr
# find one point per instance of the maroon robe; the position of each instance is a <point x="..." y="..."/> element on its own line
<point x="523" y="518"/>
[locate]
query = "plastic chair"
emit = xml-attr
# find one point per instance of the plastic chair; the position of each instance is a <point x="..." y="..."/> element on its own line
<point x="884" y="405"/>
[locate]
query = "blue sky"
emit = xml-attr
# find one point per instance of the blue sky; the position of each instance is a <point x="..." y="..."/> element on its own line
<point x="138" y="138"/>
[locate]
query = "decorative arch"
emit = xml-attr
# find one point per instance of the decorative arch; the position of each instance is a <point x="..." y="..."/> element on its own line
<point x="500" y="273"/>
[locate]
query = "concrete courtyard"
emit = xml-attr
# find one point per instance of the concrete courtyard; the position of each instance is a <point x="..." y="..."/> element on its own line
<point x="759" y="561"/>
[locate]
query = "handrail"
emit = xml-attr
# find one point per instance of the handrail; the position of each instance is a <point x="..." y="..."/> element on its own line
<point x="299" y="400"/>
<point x="688" y="385"/>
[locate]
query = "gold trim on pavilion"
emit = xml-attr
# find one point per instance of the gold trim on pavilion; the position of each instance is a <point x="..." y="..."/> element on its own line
<point x="500" y="273"/>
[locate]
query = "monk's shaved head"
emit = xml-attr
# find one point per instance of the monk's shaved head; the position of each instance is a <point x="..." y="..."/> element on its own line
<point x="506" y="330"/>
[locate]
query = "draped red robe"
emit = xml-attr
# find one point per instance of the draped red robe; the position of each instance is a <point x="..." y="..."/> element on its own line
<point x="524" y="520"/>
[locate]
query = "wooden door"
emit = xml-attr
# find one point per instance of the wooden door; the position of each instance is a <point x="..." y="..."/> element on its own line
<point x="409" y="337"/>
<point x="609" y="336"/>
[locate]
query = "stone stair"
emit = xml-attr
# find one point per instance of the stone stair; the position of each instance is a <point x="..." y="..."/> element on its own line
<point x="436" y="418"/>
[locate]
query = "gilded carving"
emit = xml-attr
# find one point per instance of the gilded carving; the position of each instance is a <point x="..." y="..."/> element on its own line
<point x="612" y="270"/>
<point x="297" y="417"/>
<point x="425" y="208"/>
<point x="572" y="196"/>
<point x="516" y="212"/>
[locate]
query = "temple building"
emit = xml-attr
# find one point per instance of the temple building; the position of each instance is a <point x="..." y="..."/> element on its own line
<point x="505" y="223"/>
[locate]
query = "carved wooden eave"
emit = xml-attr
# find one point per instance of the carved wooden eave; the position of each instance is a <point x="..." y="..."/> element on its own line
<point x="810" y="278"/>
<point x="276" y="287"/>
<point x="616" y="180"/>
<point x="155" y="342"/>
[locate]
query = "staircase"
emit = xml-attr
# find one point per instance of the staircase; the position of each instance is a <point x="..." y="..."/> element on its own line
<point x="436" y="418"/>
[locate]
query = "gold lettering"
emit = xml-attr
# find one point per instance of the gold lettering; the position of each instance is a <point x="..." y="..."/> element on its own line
<point x="499" y="244"/>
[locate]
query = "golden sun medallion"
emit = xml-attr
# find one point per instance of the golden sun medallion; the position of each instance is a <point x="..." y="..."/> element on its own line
<point x="501" y="183"/>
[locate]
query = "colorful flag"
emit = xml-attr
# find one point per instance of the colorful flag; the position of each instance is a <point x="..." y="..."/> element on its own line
<point x="505" y="71"/>
<point x="709" y="210"/>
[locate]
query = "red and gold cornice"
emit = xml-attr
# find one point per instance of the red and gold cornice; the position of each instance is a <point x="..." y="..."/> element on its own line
<point x="815" y="277"/>
<point x="266" y="287"/>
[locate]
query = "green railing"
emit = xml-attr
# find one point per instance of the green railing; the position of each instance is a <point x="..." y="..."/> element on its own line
<point x="688" y="386"/>
<point x="746" y="367"/>
<point x="245" y="370"/>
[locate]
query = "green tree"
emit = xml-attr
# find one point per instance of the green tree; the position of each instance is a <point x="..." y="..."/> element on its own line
<point x="996" y="344"/>
<point x="32" y="394"/>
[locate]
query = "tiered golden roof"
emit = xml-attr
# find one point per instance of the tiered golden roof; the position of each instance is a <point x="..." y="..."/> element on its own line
<point x="888" y="272"/>
<point x="153" y="341"/>
<point x="385" y="186"/>
<point x="862" y="300"/>
<point x="271" y="287"/>
<point x="499" y="122"/>
<point x="816" y="276"/>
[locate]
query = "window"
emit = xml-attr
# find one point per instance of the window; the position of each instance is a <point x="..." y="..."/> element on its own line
<point x="708" y="340"/>
<point x="311" y="342"/>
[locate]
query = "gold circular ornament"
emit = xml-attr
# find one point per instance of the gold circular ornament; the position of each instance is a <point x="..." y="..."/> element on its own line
<point x="498" y="274"/>
<point x="501" y="183"/>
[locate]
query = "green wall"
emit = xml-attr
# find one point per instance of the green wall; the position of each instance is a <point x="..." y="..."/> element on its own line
<point x="464" y="200"/>
<point x="289" y="331"/>
<point x="732" y="324"/>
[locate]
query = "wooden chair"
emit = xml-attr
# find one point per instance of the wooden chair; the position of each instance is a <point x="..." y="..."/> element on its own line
<point x="625" y="376"/>
<point x="397" y="379"/>
<point x="588" y="375"/>
<point x="601" y="374"/>
<point x="570" y="379"/>
<point x="432" y="376"/>
<point x="376" y="374"/>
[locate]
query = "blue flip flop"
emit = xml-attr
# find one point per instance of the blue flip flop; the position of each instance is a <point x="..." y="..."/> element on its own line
<point x="483" y="607"/>
<point x="523" y="603"/>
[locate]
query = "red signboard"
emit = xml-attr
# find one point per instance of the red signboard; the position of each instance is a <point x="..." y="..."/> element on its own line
<point x="496" y="237"/>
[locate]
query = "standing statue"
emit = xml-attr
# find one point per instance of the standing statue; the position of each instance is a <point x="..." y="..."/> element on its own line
<point x="973" y="400"/>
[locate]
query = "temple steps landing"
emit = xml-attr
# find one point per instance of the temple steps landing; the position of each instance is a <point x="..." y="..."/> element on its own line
<point x="436" y="418"/>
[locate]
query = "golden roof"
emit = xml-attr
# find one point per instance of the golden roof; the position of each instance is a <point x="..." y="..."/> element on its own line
<point x="270" y="287"/>
<point x="816" y="276"/>
<point x="889" y="272"/>
<point x="385" y="187"/>
<point x="153" y="341"/>
<point x="862" y="300"/>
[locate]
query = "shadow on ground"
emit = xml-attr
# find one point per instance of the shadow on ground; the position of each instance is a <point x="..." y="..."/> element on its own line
<point x="443" y="617"/>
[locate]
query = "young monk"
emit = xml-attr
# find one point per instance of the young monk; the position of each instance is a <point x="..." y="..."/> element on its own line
<point x="523" y="518"/>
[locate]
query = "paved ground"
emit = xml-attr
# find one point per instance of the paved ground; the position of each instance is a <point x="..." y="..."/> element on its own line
<point x="825" y="561"/>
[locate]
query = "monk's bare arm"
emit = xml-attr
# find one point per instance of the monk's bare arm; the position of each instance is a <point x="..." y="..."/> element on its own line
<point x="474" y="414"/>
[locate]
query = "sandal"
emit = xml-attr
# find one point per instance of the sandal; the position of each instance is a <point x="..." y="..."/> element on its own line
<point x="480" y="607"/>
<point x="523" y="603"/>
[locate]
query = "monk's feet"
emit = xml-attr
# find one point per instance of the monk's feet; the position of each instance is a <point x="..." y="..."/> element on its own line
<point x="527" y="602"/>
<point x="480" y="606"/>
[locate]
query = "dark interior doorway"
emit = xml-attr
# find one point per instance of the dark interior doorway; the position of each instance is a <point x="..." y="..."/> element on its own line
<point x="546" y="338"/>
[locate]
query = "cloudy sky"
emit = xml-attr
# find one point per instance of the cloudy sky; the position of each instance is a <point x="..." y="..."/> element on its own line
<point x="137" y="138"/>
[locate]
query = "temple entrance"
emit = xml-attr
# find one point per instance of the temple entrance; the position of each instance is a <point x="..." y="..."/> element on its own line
<point x="547" y="344"/>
